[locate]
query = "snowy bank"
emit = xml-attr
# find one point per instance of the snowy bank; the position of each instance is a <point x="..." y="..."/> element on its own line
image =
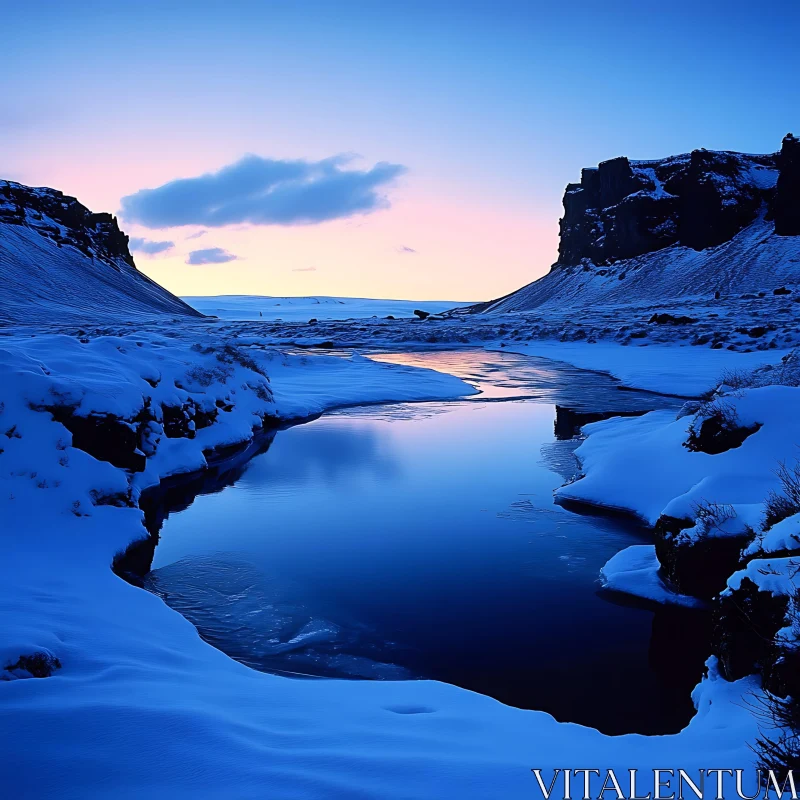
<point x="643" y="465"/>
<point x="635" y="571"/>
<point x="668" y="369"/>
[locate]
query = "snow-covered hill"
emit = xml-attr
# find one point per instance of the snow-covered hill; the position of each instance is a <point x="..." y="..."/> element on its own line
<point x="60" y="262"/>
<point x="688" y="226"/>
<point x="302" y="309"/>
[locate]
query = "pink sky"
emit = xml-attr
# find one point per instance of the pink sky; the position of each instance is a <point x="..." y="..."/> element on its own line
<point x="466" y="247"/>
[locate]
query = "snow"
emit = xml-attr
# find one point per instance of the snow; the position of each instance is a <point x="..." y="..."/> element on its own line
<point x="642" y="466"/>
<point x="309" y="383"/>
<point x="302" y="309"/>
<point x="658" y="190"/>
<point x="140" y="705"/>
<point x="759" y="175"/>
<point x="783" y="535"/>
<point x="778" y="576"/>
<point x="635" y="571"/>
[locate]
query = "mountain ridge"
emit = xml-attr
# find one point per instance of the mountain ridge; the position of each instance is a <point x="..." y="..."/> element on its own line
<point x="59" y="261"/>
<point x="685" y="225"/>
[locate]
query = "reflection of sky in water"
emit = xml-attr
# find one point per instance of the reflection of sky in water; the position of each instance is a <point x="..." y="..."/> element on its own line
<point x="503" y="375"/>
<point x="329" y="454"/>
<point x="426" y="536"/>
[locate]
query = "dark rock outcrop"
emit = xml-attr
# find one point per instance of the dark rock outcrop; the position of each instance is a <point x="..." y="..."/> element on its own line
<point x="786" y="210"/>
<point x="59" y="260"/>
<point x="716" y="198"/>
<point x="624" y="209"/>
<point x="95" y="235"/>
<point x="631" y="232"/>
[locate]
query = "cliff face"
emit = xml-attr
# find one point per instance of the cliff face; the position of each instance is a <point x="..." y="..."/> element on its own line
<point x="787" y="195"/>
<point x="61" y="262"/>
<point x="623" y="209"/>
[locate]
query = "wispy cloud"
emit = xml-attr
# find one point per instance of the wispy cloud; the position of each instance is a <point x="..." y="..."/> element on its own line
<point x="196" y="235"/>
<point x="264" y="191"/>
<point x="404" y="249"/>
<point x="149" y="247"/>
<point x="304" y="269"/>
<point x="211" y="255"/>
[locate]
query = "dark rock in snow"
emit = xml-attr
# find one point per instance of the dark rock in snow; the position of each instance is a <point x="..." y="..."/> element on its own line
<point x="717" y="433"/>
<point x="669" y="319"/>
<point x="421" y="314"/>
<point x="34" y="665"/>
<point x="568" y="422"/>
<point x="105" y="437"/>
<point x="696" y="565"/>
<point x="745" y="623"/>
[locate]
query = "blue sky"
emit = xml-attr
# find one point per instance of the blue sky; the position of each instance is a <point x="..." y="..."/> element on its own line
<point x="485" y="109"/>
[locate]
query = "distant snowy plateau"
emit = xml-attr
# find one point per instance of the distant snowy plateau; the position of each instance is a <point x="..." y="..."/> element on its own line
<point x="680" y="276"/>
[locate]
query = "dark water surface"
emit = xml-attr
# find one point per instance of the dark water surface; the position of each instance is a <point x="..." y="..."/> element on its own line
<point x="422" y="541"/>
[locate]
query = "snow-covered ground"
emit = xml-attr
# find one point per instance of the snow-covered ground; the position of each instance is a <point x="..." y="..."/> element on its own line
<point x="137" y="704"/>
<point x="302" y="309"/>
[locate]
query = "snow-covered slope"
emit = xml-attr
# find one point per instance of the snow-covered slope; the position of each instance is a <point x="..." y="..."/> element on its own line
<point x="60" y="262"/>
<point x="755" y="260"/>
<point x="688" y="226"/>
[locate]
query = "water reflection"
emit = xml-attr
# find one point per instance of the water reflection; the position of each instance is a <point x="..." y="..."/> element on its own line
<point x="422" y="541"/>
<point x="328" y="454"/>
<point x="504" y="376"/>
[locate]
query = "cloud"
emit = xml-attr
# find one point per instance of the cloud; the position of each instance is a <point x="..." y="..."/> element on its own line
<point x="264" y="191"/>
<point x="404" y="249"/>
<point x="196" y="235"/>
<point x="149" y="247"/>
<point x="211" y="255"/>
<point x="304" y="269"/>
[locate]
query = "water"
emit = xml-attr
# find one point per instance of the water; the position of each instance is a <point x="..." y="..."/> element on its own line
<point x="422" y="541"/>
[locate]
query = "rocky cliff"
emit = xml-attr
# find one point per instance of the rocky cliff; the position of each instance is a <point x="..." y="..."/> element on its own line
<point x="61" y="262"/>
<point x="643" y="231"/>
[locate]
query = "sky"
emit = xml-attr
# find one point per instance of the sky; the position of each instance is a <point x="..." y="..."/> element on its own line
<point x="375" y="148"/>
